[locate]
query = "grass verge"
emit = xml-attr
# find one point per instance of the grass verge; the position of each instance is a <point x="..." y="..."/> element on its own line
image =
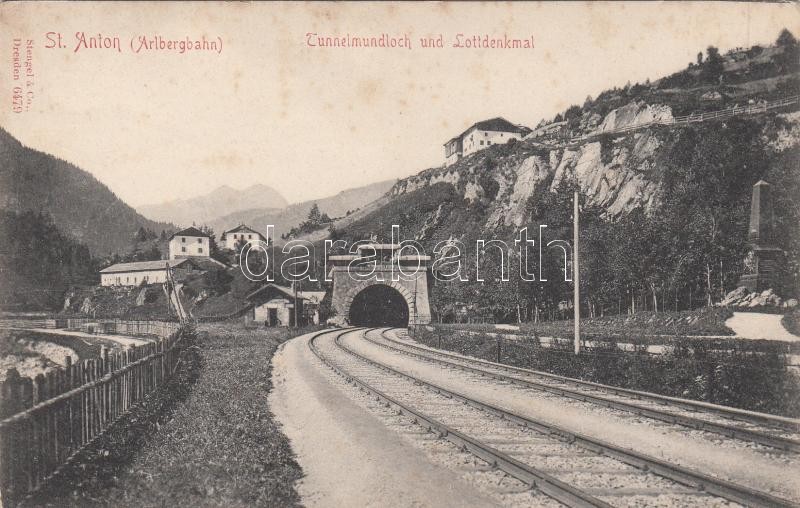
<point x="207" y="439"/>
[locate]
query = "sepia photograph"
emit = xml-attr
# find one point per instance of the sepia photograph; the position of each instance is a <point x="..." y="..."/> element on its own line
<point x="399" y="254"/>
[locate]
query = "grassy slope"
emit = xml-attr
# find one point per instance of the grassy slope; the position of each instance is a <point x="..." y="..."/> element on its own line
<point x="209" y="441"/>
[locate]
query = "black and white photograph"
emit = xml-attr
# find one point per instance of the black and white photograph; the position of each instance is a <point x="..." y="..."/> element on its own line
<point x="399" y="254"/>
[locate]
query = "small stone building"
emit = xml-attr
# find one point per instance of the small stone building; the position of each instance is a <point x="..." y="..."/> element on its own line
<point x="274" y="305"/>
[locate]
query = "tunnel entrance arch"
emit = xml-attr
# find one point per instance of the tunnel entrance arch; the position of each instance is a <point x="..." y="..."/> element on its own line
<point x="377" y="266"/>
<point x="379" y="305"/>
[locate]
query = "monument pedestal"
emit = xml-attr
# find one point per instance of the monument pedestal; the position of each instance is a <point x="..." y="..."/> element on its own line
<point x="767" y="271"/>
<point x="764" y="264"/>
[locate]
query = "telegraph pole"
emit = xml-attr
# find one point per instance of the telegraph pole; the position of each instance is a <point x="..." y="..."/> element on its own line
<point x="294" y="286"/>
<point x="576" y="274"/>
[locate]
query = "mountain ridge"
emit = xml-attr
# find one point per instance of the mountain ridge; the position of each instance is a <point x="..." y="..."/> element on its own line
<point x="283" y="219"/>
<point x="79" y="204"/>
<point x="223" y="200"/>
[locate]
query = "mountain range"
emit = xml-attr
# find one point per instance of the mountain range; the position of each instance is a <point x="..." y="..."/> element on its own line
<point x="284" y="219"/>
<point x="206" y="208"/>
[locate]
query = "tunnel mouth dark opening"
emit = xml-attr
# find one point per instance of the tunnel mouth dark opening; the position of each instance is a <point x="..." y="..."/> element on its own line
<point x="379" y="305"/>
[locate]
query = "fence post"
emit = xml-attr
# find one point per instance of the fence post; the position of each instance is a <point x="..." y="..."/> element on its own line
<point x="106" y="388"/>
<point x="10" y="403"/>
<point x="68" y="384"/>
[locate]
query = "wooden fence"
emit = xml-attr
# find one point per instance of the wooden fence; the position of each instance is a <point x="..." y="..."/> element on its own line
<point x="45" y="421"/>
<point x="736" y="110"/>
<point x="91" y="325"/>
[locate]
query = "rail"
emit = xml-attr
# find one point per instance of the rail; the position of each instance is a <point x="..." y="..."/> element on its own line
<point x="46" y="421"/>
<point x="548" y="484"/>
<point x="591" y="393"/>
<point x="700" y="481"/>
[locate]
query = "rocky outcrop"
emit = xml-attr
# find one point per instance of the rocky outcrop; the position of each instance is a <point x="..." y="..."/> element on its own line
<point x="141" y="297"/>
<point x="742" y="298"/>
<point x="529" y="175"/>
<point x="620" y="185"/>
<point x="634" y="113"/>
<point x="617" y="173"/>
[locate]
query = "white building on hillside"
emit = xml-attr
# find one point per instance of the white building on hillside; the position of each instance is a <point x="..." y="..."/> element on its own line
<point x="147" y="272"/>
<point x="241" y="233"/>
<point x="482" y="135"/>
<point x="189" y="242"/>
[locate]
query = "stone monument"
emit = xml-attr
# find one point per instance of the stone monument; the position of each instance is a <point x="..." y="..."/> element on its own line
<point x="764" y="262"/>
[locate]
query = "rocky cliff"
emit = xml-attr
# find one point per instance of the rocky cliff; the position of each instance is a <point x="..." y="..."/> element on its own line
<point x="618" y="173"/>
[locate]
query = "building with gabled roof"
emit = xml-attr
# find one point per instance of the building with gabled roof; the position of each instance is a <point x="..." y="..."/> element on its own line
<point x="241" y="233"/>
<point x="482" y="135"/>
<point x="189" y="242"/>
<point x="147" y="272"/>
<point x="274" y="305"/>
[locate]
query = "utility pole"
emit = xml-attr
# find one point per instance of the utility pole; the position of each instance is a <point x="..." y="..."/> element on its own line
<point x="576" y="274"/>
<point x="294" y="286"/>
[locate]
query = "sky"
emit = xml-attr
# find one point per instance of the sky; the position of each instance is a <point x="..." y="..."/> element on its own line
<point x="311" y="121"/>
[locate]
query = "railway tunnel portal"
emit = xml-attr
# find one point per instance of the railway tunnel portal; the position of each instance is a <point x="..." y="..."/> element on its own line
<point x="367" y="290"/>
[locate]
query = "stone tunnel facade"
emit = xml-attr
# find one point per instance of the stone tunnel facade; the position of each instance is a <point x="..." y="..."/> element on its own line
<point x="415" y="292"/>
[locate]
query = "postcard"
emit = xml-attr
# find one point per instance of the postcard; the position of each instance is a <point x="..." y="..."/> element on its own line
<point x="399" y="254"/>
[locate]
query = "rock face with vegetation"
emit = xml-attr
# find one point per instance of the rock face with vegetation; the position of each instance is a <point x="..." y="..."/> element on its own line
<point x="664" y="207"/>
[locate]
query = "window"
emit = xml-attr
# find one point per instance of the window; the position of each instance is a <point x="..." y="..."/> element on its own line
<point x="200" y="250"/>
<point x="249" y="237"/>
<point x="183" y="249"/>
<point x="199" y="240"/>
<point x="485" y="134"/>
<point x="501" y="134"/>
<point x="481" y="142"/>
<point x="235" y="237"/>
<point x="183" y="239"/>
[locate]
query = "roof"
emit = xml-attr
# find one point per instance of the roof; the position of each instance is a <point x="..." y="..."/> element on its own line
<point x="311" y="296"/>
<point x="192" y="231"/>
<point x="143" y="266"/>
<point x="204" y="262"/>
<point x="281" y="289"/>
<point x="498" y="124"/>
<point x="242" y="227"/>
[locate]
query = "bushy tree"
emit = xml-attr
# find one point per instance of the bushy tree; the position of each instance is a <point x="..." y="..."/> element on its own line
<point x="786" y="39"/>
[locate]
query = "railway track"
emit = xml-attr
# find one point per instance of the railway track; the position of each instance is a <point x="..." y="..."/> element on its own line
<point x="573" y="469"/>
<point x="768" y="430"/>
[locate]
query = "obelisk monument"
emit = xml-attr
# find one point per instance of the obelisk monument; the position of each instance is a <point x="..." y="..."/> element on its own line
<point x="764" y="262"/>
